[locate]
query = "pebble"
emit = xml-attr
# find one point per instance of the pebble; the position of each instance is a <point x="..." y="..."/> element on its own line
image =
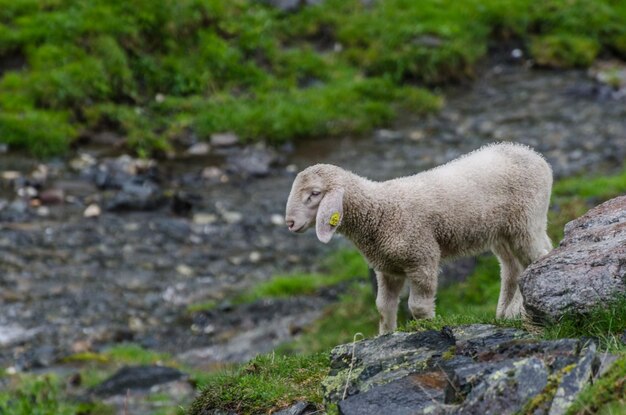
<point x="277" y="219"/>
<point x="204" y="218"/>
<point x="185" y="270"/>
<point x="232" y="217"/>
<point x="199" y="149"/>
<point x="211" y="173"/>
<point x="224" y="139"/>
<point x="92" y="211"/>
<point x="43" y="211"/>
<point x="254" y="257"/>
<point x="52" y="196"/>
<point x="11" y="175"/>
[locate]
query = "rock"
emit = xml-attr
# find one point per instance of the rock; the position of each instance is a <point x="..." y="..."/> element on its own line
<point x="475" y="369"/>
<point x="299" y="408"/>
<point x="52" y="196"/>
<point x="136" y="195"/>
<point x="14" y="334"/>
<point x="199" y="149"/>
<point x="118" y="172"/>
<point x="182" y="203"/>
<point x="136" y="377"/>
<point x="232" y="217"/>
<point x="507" y="389"/>
<point x="83" y="162"/>
<point x="406" y="396"/>
<point x="573" y="382"/>
<point x="289" y="5"/>
<point x="388" y="135"/>
<point x="587" y="270"/>
<point x="277" y="219"/>
<point x="253" y="161"/>
<point x="92" y="211"/>
<point x="381" y="360"/>
<point x="204" y="218"/>
<point x="224" y="139"/>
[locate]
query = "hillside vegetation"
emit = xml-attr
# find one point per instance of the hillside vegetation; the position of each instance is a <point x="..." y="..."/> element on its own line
<point x="158" y="71"/>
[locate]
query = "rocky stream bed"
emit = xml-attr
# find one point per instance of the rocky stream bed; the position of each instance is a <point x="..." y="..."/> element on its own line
<point x="99" y="248"/>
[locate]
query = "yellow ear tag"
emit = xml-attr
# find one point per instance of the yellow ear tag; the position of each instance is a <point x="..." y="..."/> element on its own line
<point x="334" y="219"/>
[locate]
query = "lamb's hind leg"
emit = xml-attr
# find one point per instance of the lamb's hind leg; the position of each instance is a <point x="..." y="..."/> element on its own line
<point x="510" y="302"/>
<point x="387" y="299"/>
<point x="423" y="284"/>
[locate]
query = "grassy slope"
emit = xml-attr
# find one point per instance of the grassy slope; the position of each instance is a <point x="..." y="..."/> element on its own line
<point x="159" y="70"/>
<point x="471" y="301"/>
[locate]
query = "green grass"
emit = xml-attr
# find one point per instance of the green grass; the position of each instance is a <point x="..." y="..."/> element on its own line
<point x="157" y="71"/>
<point x="606" y="323"/>
<point x="607" y="395"/>
<point x="265" y="384"/>
<point x="344" y="265"/>
<point x="43" y="395"/>
<point x="355" y="312"/>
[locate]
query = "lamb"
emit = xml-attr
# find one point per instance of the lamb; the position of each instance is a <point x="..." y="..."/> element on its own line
<point x="495" y="198"/>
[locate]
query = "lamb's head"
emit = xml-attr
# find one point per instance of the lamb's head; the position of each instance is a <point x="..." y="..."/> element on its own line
<point x="316" y="198"/>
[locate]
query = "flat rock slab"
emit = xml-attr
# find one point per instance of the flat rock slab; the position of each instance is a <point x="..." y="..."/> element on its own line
<point x="475" y="369"/>
<point x="586" y="270"/>
<point x="136" y="377"/>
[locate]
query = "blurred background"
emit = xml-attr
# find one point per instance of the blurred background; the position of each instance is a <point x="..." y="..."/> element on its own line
<point x="147" y="149"/>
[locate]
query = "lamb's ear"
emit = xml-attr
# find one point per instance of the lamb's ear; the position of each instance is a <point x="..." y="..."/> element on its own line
<point x="329" y="215"/>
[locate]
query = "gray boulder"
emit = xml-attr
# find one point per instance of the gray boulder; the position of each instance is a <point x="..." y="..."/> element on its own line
<point x="586" y="270"/>
<point x="475" y="369"/>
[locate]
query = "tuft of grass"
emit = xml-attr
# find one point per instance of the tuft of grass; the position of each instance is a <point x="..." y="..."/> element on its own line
<point x="265" y="384"/>
<point x="42" y="395"/>
<point x="355" y="312"/>
<point x="477" y="296"/>
<point x="606" y="323"/>
<point x="564" y="50"/>
<point x="344" y="265"/>
<point x="126" y="353"/>
<point x="606" y="396"/>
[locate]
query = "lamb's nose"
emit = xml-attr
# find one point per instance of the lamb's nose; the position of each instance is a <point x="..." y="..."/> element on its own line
<point x="289" y="223"/>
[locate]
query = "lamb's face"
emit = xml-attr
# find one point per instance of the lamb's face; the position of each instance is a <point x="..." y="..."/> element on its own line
<point x="306" y="194"/>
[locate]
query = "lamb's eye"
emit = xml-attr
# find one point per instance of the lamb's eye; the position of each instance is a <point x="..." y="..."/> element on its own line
<point x="315" y="193"/>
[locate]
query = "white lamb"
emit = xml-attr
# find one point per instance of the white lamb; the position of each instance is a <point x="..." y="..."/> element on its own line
<point x="494" y="198"/>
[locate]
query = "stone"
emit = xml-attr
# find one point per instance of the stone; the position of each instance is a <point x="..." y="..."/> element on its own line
<point x="381" y="360"/>
<point x="255" y="161"/>
<point x="52" y="196"/>
<point x="202" y="218"/>
<point x="383" y="135"/>
<point x="406" y="396"/>
<point x="472" y="369"/>
<point x="224" y="139"/>
<point x="573" y="382"/>
<point x="289" y="5"/>
<point x="277" y="219"/>
<point x="136" y="196"/>
<point x="92" y="211"/>
<point x="199" y="149"/>
<point x="299" y="408"/>
<point x="507" y="389"/>
<point x="14" y="334"/>
<point x="136" y="377"/>
<point x="587" y="269"/>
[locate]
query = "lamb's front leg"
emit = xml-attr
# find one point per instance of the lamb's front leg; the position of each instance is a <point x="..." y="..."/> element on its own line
<point x="387" y="299"/>
<point x="423" y="284"/>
